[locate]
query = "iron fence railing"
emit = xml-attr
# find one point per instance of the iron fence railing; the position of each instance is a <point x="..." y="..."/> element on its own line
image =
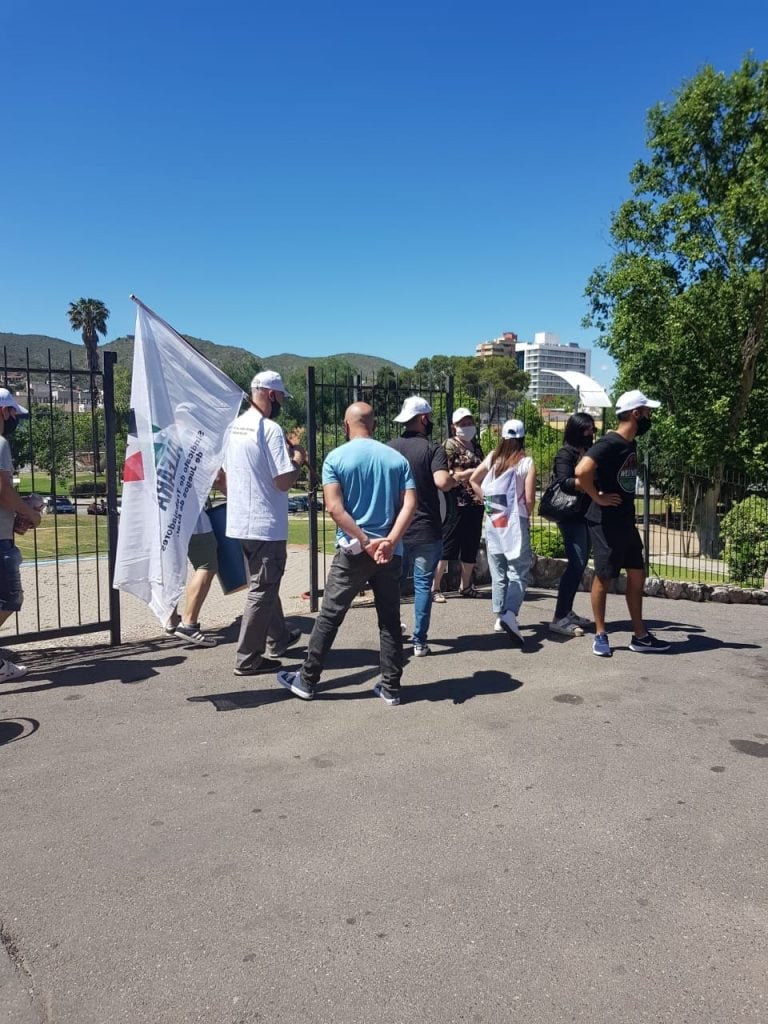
<point x="65" y="452"/>
<point x="696" y="528"/>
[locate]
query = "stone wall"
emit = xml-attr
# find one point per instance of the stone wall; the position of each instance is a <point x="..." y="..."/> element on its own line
<point x="546" y="572"/>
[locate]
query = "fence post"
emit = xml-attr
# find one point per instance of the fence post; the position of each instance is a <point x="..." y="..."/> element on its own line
<point x="110" y="434"/>
<point x="646" y="509"/>
<point x="448" y="403"/>
<point x="312" y="455"/>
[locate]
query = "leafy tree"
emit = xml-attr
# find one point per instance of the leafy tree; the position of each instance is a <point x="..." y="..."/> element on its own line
<point x="89" y="316"/>
<point x="683" y="305"/>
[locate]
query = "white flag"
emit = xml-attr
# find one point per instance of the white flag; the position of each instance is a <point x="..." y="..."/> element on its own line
<point x="182" y="411"/>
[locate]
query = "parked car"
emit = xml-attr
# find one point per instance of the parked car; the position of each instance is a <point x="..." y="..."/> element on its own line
<point x="298" y="503"/>
<point x="60" y="505"/>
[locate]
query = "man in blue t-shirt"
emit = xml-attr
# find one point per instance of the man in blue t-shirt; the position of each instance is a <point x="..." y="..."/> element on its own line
<point x="369" y="492"/>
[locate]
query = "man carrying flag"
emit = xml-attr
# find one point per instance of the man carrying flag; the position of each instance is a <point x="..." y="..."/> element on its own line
<point x="182" y="409"/>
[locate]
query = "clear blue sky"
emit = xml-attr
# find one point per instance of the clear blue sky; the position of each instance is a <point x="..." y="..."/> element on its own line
<point x="402" y="179"/>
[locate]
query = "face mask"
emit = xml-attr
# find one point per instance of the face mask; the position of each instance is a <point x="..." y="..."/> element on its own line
<point x="428" y="427"/>
<point x="274" y="411"/>
<point x="465" y="433"/>
<point x="643" y="426"/>
<point x="10" y="426"/>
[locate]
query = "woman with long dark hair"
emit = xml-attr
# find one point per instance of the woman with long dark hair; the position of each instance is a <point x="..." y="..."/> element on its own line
<point x="579" y="436"/>
<point x="506" y="481"/>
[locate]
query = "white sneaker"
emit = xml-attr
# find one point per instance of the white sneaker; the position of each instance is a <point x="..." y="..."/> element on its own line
<point x="9" y="672"/>
<point x="497" y="626"/>
<point x="566" y="627"/>
<point x="578" y="619"/>
<point x="421" y="650"/>
<point x="509" y="624"/>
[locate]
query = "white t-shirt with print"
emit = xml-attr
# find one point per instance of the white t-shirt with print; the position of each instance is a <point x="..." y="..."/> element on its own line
<point x="257" y="452"/>
<point x="505" y="507"/>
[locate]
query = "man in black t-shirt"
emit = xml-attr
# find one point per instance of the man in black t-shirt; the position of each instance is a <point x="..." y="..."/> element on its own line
<point x="422" y="542"/>
<point x="608" y="473"/>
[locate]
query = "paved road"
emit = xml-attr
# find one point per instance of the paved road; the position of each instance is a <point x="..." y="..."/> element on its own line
<point x="535" y="837"/>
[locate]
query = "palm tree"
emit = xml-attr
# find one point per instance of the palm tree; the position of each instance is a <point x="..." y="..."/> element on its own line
<point x="89" y="316"/>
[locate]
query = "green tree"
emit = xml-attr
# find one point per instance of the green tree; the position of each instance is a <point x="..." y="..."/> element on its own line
<point x="682" y="307"/>
<point x="89" y="316"/>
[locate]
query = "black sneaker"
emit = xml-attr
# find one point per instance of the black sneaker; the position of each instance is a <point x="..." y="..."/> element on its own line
<point x="265" y="665"/>
<point x="647" y="644"/>
<point x="193" y="634"/>
<point x="278" y="650"/>
<point x="389" y="696"/>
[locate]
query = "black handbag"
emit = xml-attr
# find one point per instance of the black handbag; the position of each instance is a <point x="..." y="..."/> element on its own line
<point x="558" y="506"/>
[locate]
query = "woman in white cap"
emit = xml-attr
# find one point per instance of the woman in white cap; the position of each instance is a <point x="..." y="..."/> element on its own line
<point x="506" y="482"/>
<point x="463" y="524"/>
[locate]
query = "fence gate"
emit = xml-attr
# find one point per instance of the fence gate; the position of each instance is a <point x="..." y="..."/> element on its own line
<point x="65" y="452"/>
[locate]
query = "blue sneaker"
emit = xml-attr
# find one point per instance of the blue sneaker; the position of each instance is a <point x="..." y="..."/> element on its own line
<point x="292" y="681"/>
<point x="601" y="647"/>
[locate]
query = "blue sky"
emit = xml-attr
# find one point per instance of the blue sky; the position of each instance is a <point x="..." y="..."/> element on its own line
<point x="403" y="179"/>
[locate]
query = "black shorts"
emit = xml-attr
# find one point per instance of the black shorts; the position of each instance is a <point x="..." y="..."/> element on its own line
<point x="615" y="546"/>
<point x="462" y="530"/>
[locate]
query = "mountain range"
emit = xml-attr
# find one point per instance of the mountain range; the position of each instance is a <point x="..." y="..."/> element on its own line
<point x="17" y="348"/>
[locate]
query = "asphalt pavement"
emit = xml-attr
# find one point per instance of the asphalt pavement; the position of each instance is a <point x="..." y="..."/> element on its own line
<point x="532" y="836"/>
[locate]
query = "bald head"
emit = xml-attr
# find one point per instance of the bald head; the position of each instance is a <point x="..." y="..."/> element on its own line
<point x="358" y="420"/>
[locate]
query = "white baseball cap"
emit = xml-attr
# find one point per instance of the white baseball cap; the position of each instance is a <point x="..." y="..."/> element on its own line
<point x="271" y="380"/>
<point x="635" y="400"/>
<point x="413" y="406"/>
<point x="513" y="428"/>
<point x="459" y="414"/>
<point x="8" y="401"/>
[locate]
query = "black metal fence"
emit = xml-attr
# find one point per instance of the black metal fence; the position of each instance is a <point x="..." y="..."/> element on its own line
<point x="64" y="451"/>
<point x="695" y="528"/>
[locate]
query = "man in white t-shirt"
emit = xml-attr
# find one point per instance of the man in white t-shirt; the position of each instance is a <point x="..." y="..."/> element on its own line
<point x="261" y="468"/>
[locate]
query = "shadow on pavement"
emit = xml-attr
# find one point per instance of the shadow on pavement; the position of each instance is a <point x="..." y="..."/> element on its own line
<point x="12" y="729"/>
<point x="86" y="666"/>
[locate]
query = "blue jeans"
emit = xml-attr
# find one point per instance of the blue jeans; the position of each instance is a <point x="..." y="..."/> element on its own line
<point x="576" y="537"/>
<point x="509" y="576"/>
<point x="423" y="558"/>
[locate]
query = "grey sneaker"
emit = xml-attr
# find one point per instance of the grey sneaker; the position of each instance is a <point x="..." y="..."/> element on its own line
<point x="278" y="650"/>
<point x="647" y="644"/>
<point x="193" y="635"/>
<point x="421" y="650"/>
<point x="292" y="681"/>
<point x="389" y="696"/>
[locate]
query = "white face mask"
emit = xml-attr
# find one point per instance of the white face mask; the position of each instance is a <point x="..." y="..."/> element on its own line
<point x="465" y="433"/>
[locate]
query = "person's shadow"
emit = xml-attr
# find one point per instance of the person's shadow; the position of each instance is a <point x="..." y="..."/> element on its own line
<point x="458" y="691"/>
<point x="88" y="666"/>
<point x="697" y="641"/>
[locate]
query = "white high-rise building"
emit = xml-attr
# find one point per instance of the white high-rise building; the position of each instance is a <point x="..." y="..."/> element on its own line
<point x="546" y="353"/>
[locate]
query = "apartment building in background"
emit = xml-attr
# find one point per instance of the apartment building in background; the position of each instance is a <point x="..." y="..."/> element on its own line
<point x="547" y="353"/>
<point x="504" y="345"/>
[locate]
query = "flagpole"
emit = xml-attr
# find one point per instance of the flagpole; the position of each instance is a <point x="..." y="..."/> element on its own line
<point x="181" y="338"/>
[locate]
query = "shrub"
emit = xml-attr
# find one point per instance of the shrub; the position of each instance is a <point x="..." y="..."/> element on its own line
<point x="745" y="529"/>
<point x="88" y="489"/>
<point x="547" y="542"/>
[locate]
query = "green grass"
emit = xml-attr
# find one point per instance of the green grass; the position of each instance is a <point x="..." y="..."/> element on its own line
<point x="298" y="531"/>
<point x="686" y="574"/>
<point x="56" y="537"/>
